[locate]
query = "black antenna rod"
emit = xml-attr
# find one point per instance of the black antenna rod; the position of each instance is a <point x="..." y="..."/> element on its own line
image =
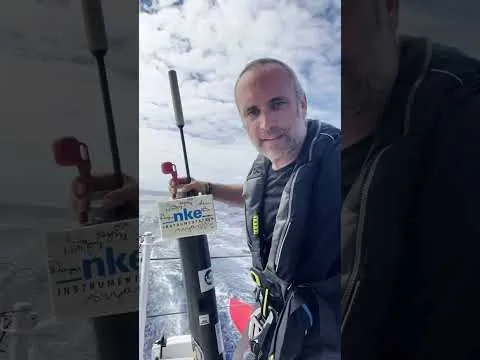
<point x="197" y="269"/>
<point x="177" y="107"/>
<point x="98" y="45"/>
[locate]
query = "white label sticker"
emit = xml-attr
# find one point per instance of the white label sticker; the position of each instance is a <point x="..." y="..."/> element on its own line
<point x="190" y="216"/>
<point x="204" y="319"/>
<point x="93" y="270"/>
<point x="218" y="331"/>
<point x="205" y="278"/>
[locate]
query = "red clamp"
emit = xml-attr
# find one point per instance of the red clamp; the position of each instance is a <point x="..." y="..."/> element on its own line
<point x="68" y="151"/>
<point x="169" y="168"/>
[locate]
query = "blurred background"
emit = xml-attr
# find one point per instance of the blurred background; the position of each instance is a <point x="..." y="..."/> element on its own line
<point x="49" y="88"/>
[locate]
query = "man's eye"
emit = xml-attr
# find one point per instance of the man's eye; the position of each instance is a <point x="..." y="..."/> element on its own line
<point x="253" y="112"/>
<point x="278" y="105"/>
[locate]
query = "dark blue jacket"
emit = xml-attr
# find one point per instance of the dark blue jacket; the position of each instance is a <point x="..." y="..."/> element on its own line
<point x="305" y="248"/>
<point x="410" y="251"/>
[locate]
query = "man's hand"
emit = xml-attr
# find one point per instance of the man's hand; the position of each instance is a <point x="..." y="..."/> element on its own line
<point x="126" y="196"/>
<point x="197" y="186"/>
<point x="229" y="194"/>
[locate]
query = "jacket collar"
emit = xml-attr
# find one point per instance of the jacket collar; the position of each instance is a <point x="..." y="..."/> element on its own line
<point x="414" y="63"/>
<point x="261" y="163"/>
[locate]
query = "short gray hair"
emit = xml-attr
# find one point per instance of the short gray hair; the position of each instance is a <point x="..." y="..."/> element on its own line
<point x="299" y="93"/>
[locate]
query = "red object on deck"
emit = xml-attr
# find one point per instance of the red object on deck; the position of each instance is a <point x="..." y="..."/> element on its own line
<point x="240" y="313"/>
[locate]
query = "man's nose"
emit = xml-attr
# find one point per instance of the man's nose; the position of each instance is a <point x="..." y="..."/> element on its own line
<point x="266" y="120"/>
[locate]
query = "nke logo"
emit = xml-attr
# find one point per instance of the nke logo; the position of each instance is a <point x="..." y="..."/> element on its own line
<point x="186" y="215"/>
<point x="110" y="263"/>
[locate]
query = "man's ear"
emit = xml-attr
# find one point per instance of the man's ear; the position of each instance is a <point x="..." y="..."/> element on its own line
<point x="303" y="106"/>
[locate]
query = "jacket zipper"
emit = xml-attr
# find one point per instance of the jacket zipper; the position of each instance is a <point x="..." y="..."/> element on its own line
<point x="287" y="228"/>
<point x="353" y="284"/>
<point x="247" y="228"/>
<point x="285" y="232"/>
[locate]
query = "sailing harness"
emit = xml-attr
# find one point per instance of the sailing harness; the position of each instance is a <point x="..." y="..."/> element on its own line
<point x="271" y="327"/>
<point x="283" y="319"/>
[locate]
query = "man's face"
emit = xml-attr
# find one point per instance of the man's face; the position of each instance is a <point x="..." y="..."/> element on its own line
<point x="272" y="116"/>
<point x="369" y="52"/>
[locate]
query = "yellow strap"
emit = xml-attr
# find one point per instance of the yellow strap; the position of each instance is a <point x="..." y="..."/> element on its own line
<point x="255" y="278"/>
<point x="265" y="303"/>
<point x="255" y="225"/>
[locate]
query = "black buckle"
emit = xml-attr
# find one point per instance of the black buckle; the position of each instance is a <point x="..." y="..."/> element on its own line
<point x="259" y="328"/>
<point x="269" y="287"/>
<point x="263" y="291"/>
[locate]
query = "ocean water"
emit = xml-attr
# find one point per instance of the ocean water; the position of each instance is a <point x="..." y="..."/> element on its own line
<point x="166" y="302"/>
<point x="23" y="277"/>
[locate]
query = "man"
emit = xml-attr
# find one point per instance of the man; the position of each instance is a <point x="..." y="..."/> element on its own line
<point x="410" y="170"/>
<point x="292" y="202"/>
<point x="293" y="190"/>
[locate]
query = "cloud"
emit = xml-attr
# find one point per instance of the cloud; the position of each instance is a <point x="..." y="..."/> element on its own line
<point x="51" y="86"/>
<point x="208" y="43"/>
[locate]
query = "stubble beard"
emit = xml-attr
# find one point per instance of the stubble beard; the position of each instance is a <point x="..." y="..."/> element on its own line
<point x="290" y="148"/>
<point x="364" y="99"/>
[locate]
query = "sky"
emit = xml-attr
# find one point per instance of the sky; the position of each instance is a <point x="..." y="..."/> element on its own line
<point x="208" y="43"/>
